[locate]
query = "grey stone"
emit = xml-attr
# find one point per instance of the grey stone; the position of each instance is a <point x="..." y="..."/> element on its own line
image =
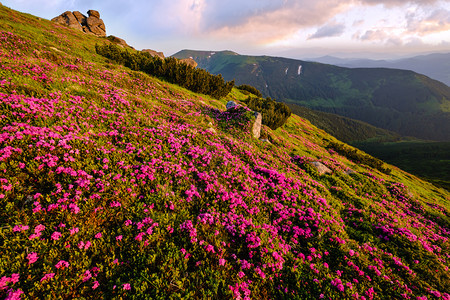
<point x="231" y="104"/>
<point x="321" y="168"/>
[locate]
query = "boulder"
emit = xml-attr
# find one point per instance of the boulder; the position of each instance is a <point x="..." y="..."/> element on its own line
<point x="321" y="168"/>
<point x="256" y="128"/>
<point x="80" y="18"/>
<point x="154" y="53"/>
<point x="92" y="24"/>
<point x="93" y="13"/>
<point x="119" y="41"/>
<point x="95" y="26"/>
<point x="349" y="171"/>
<point x="67" y="18"/>
<point x="231" y="104"/>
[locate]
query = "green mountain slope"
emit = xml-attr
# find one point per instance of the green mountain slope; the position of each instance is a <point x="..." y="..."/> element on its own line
<point x="397" y="100"/>
<point x="344" y="129"/>
<point x="118" y="185"/>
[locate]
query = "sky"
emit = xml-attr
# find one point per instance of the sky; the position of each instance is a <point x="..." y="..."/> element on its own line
<point x="290" y="28"/>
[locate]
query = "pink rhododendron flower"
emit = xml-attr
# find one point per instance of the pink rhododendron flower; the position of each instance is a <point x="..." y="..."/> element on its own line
<point x="95" y="285"/>
<point x="56" y="235"/>
<point x="47" y="276"/>
<point x="32" y="257"/>
<point x="62" y="264"/>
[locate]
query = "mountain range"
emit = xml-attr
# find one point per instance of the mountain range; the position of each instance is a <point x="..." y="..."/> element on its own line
<point x="435" y="65"/>
<point x="401" y="101"/>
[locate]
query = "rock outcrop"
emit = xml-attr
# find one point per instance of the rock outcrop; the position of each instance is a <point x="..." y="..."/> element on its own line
<point x="189" y="61"/>
<point x="91" y="24"/>
<point x="118" y="41"/>
<point x="154" y="53"/>
<point x="68" y="18"/>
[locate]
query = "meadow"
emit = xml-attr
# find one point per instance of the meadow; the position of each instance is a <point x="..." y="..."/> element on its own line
<point x="118" y="185"/>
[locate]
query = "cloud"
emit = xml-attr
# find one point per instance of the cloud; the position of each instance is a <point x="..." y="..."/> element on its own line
<point x="437" y="20"/>
<point x="263" y="22"/>
<point x="373" y="35"/>
<point x="329" y="30"/>
<point x="392" y="3"/>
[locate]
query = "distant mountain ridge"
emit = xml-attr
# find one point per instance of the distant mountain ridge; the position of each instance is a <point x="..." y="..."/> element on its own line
<point x="435" y="65"/>
<point x="402" y="101"/>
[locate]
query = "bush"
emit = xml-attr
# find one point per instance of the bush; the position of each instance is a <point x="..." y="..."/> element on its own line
<point x="274" y="114"/>
<point x="250" y="89"/>
<point x="170" y="69"/>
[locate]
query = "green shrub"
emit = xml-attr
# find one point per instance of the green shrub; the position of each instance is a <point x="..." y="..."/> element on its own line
<point x="170" y="69"/>
<point x="274" y="114"/>
<point x="250" y="89"/>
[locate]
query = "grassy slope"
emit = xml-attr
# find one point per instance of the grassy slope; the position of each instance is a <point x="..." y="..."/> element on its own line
<point x="398" y="100"/>
<point x="115" y="184"/>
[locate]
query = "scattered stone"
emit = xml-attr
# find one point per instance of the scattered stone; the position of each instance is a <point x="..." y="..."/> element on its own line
<point x="231" y="104"/>
<point x="212" y="130"/>
<point x="265" y="141"/>
<point x="55" y="49"/>
<point x="92" y="24"/>
<point x="321" y="168"/>
<point x="256" y="129"/>
<point x="153" y="53"/>
<point x="349" y="171"/>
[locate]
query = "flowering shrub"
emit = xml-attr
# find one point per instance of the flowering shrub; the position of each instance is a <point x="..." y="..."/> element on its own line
<point x="112" y="186"/>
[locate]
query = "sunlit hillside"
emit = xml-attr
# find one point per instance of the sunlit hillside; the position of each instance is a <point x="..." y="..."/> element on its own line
<point x="118" y="185"/>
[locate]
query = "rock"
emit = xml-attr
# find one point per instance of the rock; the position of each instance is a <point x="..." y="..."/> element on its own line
<point x="231" y="104"/>
<point x="118" y="41"/>
<point x="67" y="18"/>
<point x="265" y="141"/>
<point x="349" y="171"/>
<point x="92" y="24"/>
<point x="93" y="13"/>
<point x="256" y="129"/>
<point x="321" y="168"/>
<point x="95" y="25"/>
<point x="190" y="62"/>
<point x="80" y="18"/>
<point x="55" y="49"/>
<point x="154" y="53"/>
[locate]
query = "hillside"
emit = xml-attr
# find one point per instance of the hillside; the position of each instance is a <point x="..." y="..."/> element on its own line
<point x="402" y="101"/>
<point x="119" y="185"/>
<point x="344" y="129"/>
<point x="435" y="65"/>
